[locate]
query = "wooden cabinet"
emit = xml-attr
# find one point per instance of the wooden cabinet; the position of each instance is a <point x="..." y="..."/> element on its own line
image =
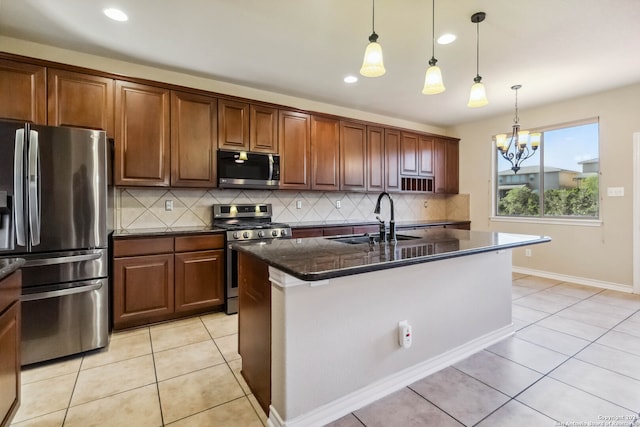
<point x="199" y="274"/>
<point x="446" y="166"/>
<point x="294" y="142"/>
<point x="80" y="100"/>
<point x="300" y="233"/>
<point x="263" y="136"/>
<point x="233" y="125"/>
<point x="409" y="160"/>
<point x="325" y="152"/>
<point x="425" y="153"/>
<point x="10" y="288"/>
<point x="159" y="278"/>
<point x="143" y="286"/>
<point x="254" y="326"/>
<point x="392" y="160"/>
<point x="23" y="89"/>
<point x="142" y="143"/>
<point x="194" y="135"/>
<point x="337" y="230"/>
<point x="353" y="157"/>
<point x="375" y="159"/>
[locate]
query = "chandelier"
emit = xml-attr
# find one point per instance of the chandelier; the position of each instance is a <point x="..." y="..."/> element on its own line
<point x="519" y="141"/>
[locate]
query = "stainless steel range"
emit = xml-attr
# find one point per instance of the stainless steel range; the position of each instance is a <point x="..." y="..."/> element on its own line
<point x="244" y="222"/>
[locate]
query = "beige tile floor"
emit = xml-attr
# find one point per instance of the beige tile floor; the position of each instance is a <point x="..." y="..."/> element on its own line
<point x="574" y="359"/>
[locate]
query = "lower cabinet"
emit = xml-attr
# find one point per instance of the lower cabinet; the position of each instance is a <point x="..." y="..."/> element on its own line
<point x="9" y="347"/>
<point x="162" y="278"/>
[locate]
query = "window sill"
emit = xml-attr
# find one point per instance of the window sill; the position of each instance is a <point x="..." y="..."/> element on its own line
<point x="549" y="221"/>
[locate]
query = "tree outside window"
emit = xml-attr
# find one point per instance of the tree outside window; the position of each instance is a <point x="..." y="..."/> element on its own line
<point x="560" y="181"/>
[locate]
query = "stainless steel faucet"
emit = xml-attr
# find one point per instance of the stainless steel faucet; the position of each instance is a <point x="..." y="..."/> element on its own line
<point x="392" y="223"/>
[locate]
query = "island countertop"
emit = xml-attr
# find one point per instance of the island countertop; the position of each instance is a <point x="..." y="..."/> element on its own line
<point x="323" y="258"/>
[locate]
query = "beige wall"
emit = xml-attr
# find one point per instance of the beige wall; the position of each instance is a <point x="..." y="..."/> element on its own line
<point x="601" y="253"/>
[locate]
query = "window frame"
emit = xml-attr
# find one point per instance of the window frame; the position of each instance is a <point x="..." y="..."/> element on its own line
<point x="542" y="218"/>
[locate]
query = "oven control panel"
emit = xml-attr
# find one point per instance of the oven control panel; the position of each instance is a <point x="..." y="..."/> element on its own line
<point x="259" y="234"/>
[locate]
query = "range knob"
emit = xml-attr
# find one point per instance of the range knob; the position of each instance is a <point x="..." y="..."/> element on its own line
<point x="245" y="234"/>
<point x="283" y="232"/>
<point x="260" y="233"/>
<point x="274" y="233"/>
<point x="235" y="235"/>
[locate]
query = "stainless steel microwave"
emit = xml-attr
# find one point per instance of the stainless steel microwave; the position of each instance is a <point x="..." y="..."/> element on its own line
<point x="241" y="169"/>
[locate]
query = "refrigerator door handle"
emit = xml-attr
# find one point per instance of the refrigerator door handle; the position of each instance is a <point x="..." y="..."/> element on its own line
<point x="85" y="287"/>
<point x="62" y="260"/>
<point x="18" y="188"/>
<point x="34" y="188"/>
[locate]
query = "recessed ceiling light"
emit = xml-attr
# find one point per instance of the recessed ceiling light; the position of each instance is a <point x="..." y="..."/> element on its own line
<point x="446" y="38"/>
<point x="116" y="14"/>
<point x="350" y="79"/>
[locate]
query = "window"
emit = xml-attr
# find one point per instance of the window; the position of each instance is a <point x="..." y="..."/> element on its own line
<point x="559" y="181"/>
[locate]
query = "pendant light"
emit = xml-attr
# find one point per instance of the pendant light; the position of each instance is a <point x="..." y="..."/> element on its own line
<point x="433" y="83"/>
<point x="372" y="66"/>
<point x="478" y="95"/>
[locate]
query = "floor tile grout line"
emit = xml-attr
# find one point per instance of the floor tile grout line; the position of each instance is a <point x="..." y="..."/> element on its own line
<point x="155" y="374"/>
<point x="436" y="406"/>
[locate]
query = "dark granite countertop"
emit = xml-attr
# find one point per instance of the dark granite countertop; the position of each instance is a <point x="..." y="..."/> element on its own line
<point x="159" y="232"/>
<point x="322" y="258"/>
<point x="9" y="265"/>
<point x="400" y="224"/>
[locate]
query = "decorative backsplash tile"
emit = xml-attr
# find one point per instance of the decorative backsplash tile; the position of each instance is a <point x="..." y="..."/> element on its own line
<point x="145" y="207"/>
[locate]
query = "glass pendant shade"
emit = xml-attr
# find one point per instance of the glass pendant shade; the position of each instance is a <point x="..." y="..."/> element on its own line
<point x="523" y="138"/>
<point x="501" y="141"/>
<point x="433" y="81"/>
<point x="535" y="140"/>
<point x="372" y="66"/>
<point x="477" y="96"/>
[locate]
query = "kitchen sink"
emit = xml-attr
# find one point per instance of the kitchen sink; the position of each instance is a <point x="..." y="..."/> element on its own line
<point x="359" y="239"/>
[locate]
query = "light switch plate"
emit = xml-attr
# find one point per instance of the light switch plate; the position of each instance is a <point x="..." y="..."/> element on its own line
<point x="615" y="191"/>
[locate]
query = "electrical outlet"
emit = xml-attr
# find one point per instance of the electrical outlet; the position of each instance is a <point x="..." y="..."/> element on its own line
<point x="527" y="252"/>
<point x="168" y="205"/>
<point x="298" y="204"/>
<point x="426" y="203"/>
<point x="338" y="204"/>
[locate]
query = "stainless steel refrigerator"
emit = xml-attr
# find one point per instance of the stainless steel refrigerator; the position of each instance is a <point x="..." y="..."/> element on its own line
<point x="53" y="213"/>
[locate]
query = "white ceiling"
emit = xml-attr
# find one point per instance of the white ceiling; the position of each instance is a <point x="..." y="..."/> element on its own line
<point x="556" y="49"/>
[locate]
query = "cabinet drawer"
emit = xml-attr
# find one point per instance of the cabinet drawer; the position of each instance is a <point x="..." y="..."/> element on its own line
<point x="299" y="233"/>
<point x="337" y="231"/>
<point x="143" y="246"/>
<point x="198" y="243"/>
<point x="10" y="289"/>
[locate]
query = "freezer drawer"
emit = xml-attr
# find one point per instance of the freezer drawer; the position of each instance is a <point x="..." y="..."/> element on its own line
<point x="63" y="320"/>
<point x="62" y="267"/>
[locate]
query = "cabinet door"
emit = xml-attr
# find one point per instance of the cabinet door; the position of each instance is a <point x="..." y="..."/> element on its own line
<point x="294" y="142"/>
<point x="439" y="159"/>
<point x="233" y="125"/>
<point x="425" y="148"/>
<point x="199" y="280"/>
<point x="409" y="159"/>
<point x="24" y="92"/>
<point x="325" y="149"/>
<point x="264" y="129"/>
<point x="143" y="289"/>
<point x="142" y="135"/>
<point x="353" y="156"/>
<point x="9" y="363"/>
<point x="80" y="100"/>
<point x="452" y="163"/>
<point x="194" y="133"/>
<point x="375" y="159"/>
<point x="392" y="160"/>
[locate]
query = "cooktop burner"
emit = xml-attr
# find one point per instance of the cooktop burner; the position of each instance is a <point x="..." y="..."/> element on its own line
<point x="248" y="222"/>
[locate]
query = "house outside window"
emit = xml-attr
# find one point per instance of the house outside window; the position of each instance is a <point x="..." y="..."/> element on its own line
<point x="560" y="181"/>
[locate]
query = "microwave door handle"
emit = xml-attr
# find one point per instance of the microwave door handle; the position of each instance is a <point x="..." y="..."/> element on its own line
<point x="270" y="167"/>
<point x="18" y="188"/>
<point x="34" y="188"/>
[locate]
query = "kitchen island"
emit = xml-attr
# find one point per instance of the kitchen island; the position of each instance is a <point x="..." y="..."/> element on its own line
<point x="332" y="308"/>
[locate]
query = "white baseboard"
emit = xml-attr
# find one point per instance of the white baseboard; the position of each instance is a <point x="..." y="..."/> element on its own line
<point x="381" y="388"/>
<point x="573" y="279"/>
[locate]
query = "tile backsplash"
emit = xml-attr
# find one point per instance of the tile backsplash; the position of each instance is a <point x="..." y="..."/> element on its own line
<point x="137" y="208"/>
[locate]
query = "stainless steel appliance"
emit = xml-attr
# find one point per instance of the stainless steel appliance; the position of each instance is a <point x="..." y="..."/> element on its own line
<point x="244" y="222"/>
<point x="53" y="181"/>
<point x="240" y="169"/>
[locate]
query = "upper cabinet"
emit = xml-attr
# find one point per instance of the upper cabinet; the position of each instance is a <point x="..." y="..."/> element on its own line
<point x="409" y="160"/>
<point x="325" y="152"/>
<point x="446" y="166"/>
<point x="194" y="133"/>
<point x="375" y="158"/>
<point x="264" y="129"/>
<point x="23" y="89"/>
<point x="142" y="146"/>
<point x="425" y="153"/>
<point x="80" y="100"/>
<point x="294" y="142"/>
<point x="233" y="125"/>
<point x="353" y="157"/>
<point x="392" y="160"/>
